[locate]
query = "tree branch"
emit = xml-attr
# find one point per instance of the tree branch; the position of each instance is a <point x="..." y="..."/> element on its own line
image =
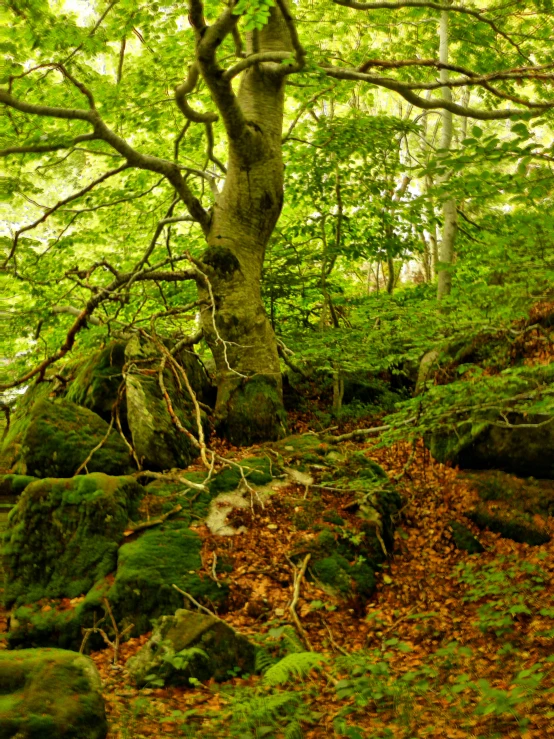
<point x="45" y="148"/>
<point x="406" y="91"/>
<point x="181" y="92"/>
<point x="397" y="4"/>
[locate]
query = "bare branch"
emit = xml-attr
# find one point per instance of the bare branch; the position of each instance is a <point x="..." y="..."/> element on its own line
<point x="253" y="59"/>
<point x="299" y="51"/>
<point x="45" y="148"/>
<point x="406" y="91"/>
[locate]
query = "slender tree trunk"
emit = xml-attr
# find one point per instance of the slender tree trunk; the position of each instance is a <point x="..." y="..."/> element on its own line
<point x="449" y="210"/>
<point x="249" y="405"/>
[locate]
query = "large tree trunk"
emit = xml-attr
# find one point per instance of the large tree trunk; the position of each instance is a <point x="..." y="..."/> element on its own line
<point x="249" y="404"/>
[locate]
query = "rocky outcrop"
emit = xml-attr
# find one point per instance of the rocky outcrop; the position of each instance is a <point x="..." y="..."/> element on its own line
<point x="513" y="507"/>
<point x="158" y="443"/>
<point x="63" y="535"/>
<point x="526" y="451"/>
<point x="53" y="438"/>
<point x="191" y="645"/>
<point x="50" y="693"/>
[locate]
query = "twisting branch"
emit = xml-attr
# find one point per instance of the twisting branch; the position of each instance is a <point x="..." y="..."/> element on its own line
<point x="181" y="92"/>
<point x="406" y="91"/>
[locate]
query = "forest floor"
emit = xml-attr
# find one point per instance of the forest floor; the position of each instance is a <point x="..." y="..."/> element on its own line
<point x="417" y="622"/>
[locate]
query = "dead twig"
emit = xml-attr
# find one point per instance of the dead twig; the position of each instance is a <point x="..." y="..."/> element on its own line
<point x="83" y="465"/>
<point x="298" y="577"/>
<point x="133" y="527"/>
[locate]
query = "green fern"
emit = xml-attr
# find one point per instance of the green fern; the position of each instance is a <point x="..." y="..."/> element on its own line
<point x="294" y="731"/>
<point x="264" y="660"/>
<point x="293" y="641"/>
<point x="296" y="665"/>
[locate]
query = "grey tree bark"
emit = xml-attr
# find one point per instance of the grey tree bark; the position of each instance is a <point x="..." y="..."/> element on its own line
<point x="449" y="209"/>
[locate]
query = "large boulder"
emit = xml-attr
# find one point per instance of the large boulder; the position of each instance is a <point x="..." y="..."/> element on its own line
<point x="191" y="645"/>
<point x="527" y="450"/>
<point x="97" y="379"/>
<point x="63" y="535"/>
<point x="158" y="443"/>
<point x="52" y="438"/>
<point x="50" y="693"/>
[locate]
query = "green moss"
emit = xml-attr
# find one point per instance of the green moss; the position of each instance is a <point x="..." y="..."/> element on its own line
<point x="49" y="624"/>
<point x="526" y="495"/>
<point x="510" y="525"/>
<point x="14" y="484"/>
<point x="96" y="382"/>
<point x="63" y="535"/>
<point x="464" y="539"/>
<point x="55" y="438"/>
<point x="50" y="693"/>
<point x="149" y="566"/>
<point x="257" y="470"/>
<point x="333" y="517"/>
<point x="254" y="412"/>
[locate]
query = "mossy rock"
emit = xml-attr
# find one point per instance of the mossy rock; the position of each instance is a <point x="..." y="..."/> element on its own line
<point x="509" y="524"/>
<point x="527" y="495"/>
<point x="158" y="443"/>
<point x="49" y="694"/>
<point x="139" y="591"/>
<point x="522" y="449"/>
<point x="63" y="535"/>
<point x="195" y="645"/>
<point x="54" y="438"/>
<point x="252" y="411"/>
<point x="13" y="485"/>
<point x="96" y="380"/>
<point x="148" y="567"/>
<point x="463" y="539"/>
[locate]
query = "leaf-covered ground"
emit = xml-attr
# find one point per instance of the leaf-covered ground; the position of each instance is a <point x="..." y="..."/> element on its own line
<point x="418" y="622"/>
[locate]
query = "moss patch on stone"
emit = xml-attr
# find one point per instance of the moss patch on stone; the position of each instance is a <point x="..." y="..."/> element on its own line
<point x="527" y="495"/>
<point x="96" y="382"/>
<point x="509" y="524"/>
<point x="190" y="644"/>
<point x="464" y="539"/>
<point x="63" y="535"/>
<point x="149" y="566"/>
<point x="11" y="485"/>
<point x="55" y="437"/>
<point x="50" y="693"/>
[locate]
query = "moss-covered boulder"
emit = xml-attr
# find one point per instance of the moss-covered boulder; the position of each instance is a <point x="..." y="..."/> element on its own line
<point x="510" y="524"/>
<point x="527" y="451"/>
<point x="350" y="548"/>
<point x="157" y="440"/>
<point x="96" y="380"/>
<point x="139" y="588"/>
<point x="147" y="569"/>
<point x="463" y="539"/>
<point x="63" y="535"/>
<point x="13" y="485"/>
<point x="53" y="438"/>
<point x="193" y="645"/>
<point x="524" y="494"/>
<point x="49" y="694"/>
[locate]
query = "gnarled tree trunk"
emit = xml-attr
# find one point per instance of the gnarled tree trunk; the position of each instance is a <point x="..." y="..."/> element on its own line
<point x="249" y="404"/>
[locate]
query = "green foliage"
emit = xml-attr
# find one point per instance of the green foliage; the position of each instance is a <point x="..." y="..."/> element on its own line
<point x="296" y="665"/>
<point x="507" y="590"/>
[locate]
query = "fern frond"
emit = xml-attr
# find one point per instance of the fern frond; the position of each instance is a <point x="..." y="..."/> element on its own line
<point x="264" y="660"/>
<point x="296" y="665"/>
<point x="294" y="643"/>
<point x="294" y="731"/>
